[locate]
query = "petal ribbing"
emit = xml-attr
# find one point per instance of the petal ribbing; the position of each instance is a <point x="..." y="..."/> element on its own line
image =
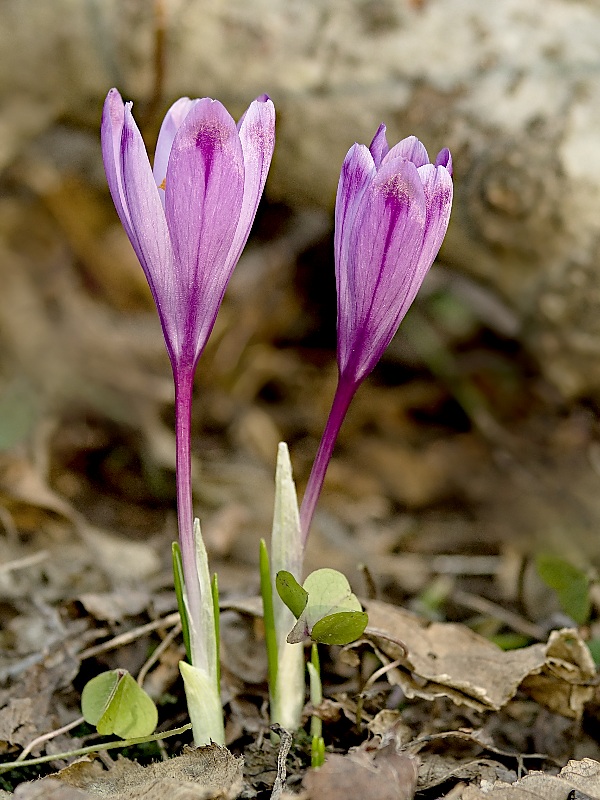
<point x="203" y="200"/>
<point x="385" y="245"/>
<point x="111" y="129"/>
<point x="358" y="171"/>
<point x="410" y="148"/>
<point x="379" y="147"/>
<point x="149" y="235"/>
<point x="257" y="137"/>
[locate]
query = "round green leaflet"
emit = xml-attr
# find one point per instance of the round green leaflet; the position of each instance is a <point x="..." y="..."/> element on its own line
<point x="114" y="703"/>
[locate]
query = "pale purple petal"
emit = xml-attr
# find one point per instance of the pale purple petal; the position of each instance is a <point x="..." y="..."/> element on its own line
<point x="257" y="137"/>
<point x="148" y="234"/>
<point x="358" y="172"/>
<point x="410" y="148"/>
<point x="437" y="185"/>
<point x="173" y="119"/>
<point x="444" y="159"/>
<point x="379" y="147"/>
<point x="385" y="246"/>
<point x="111" y="129"/>
<point x="204" y="190"/>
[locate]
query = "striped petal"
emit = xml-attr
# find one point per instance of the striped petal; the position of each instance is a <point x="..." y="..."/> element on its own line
<point x="148" y="234"/>
<point x="379" y="147"/>
<point x="385" y="246"/>
<point x="438" y="188"/>
<point x="358" y="172"/>
<point x="203" y="200"/>
<point x="111" y="129"/>
<point x="257" y="137"/>
<point x="410" y="148"/>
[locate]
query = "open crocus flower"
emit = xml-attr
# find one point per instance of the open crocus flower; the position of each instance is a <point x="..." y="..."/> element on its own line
<point x="188" y="220"/>
<point x="392" y="212"/>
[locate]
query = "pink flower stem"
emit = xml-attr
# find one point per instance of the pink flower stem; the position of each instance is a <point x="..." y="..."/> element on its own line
<point x="343" y="395"/>
<point x="184" y="381"/>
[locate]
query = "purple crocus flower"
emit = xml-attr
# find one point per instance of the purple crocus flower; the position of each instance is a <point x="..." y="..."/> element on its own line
<point x="391" y="216"/>
<point x="188" y="220"/>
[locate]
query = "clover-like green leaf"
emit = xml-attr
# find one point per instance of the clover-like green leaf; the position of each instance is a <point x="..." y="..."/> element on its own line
<point x="114" y="703"/>
<point x="332" y="614"/>
<point x="341" y="628"/>
<point x="290" y="591"/>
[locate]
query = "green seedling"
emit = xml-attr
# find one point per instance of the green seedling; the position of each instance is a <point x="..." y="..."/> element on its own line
<point x="285" y="661"/>
<point x="325" y="608"/>
<point x="114" y="703"/>
<point x="317" y="758"/>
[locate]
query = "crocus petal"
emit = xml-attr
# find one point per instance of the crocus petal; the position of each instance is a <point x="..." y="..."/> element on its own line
<point x="437" y="185"/>
<point x="444" y="159"/>
<point x="385" y="246"/>
<point x="173" y="119"/>
<point x="410" y="148"/>
<point x="358" y="171"/>
<point x="149" y="235"/>
<point x="379" y="147"/>
<point x="204" y="191"/>
<point x="257" y="137"/>
<point x="111" y="129"/>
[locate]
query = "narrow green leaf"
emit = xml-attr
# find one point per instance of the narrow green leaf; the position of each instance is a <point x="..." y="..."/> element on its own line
<point x="217" y="612"/>
<point x="179" y="584"/>
<point x="570" y="584"/>
<point x="266" y="591"/>
<point x="203" y="630"/>
<point x="340" y="628"/>
<point x="290" y="591"/>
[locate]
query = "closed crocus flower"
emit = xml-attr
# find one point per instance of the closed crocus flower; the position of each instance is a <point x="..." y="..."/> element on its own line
<point x="391" y="216"/>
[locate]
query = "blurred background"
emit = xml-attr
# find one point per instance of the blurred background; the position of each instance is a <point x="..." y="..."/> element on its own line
<point x="474" y="444"/>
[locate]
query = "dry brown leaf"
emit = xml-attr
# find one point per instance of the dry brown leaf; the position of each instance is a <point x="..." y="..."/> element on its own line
<point x="578" y="778"/>
<point x="199" y="774"/>
<point x="114" y="606"/>
<point x="123" y="560"/>
<point x="382" y="775"/>
<point x="48" y="789"/>
<point x="563" y="684"/>
<point x="450" y="660"/>
<point x="24" y="707"/>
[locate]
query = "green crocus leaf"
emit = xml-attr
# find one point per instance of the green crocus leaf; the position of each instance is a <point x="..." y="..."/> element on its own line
<point x="341" y="628"/>
<point x="570" y="584"/>
<point x="290" y="591"/>
<point x="331" y="614"/>
<point x="114" y="703"/>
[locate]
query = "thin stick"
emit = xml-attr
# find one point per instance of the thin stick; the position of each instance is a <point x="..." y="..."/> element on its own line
<point x="131" y="636"/>
<point x="380" y="673"/>
<point x="25" y="562"/>
<point x="47" y="736"/>
<point x="8" y="765"/>
<point x="164" y="645"/>
<point x="284" y="749"/>
<point x="509" y="618"/>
